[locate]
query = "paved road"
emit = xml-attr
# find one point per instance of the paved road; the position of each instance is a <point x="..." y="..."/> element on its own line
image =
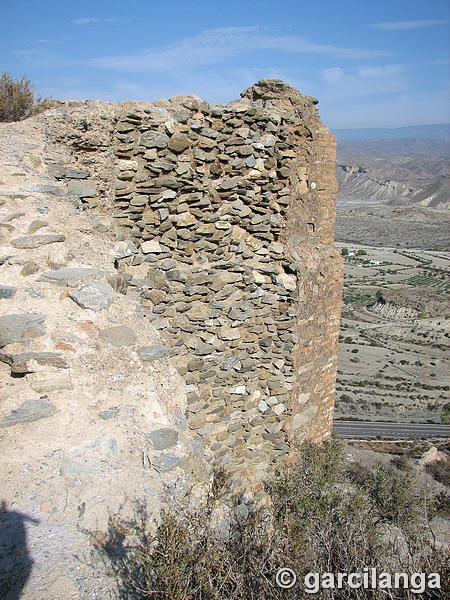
<point x="363" y="430"/>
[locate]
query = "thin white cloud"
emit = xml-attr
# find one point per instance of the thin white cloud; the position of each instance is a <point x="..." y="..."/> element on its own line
<point x="28" y="53"/>
<point x="77" y="88"/>
<point x="224" y="85"/>
<point x="397" y="111"/>
<point x="213" y="85"/>
<point x="436" y="62"/>
<point x="405" y="25"/>
<point x="215" y="45"/>
<point x="116" y="20"/>
<point x="363" y="80"/>
<point x="87" y="20"/>
<point x="381" y="71"/>
<point x="49" y="42"/>
<point x="84" y="20"/>
<point x="333" y="75"/>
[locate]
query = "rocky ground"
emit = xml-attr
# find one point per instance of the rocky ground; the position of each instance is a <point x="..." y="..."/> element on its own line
<point x="91" y="411"/>
<point x="393" y="357"/>
<point x="398" y="227"/>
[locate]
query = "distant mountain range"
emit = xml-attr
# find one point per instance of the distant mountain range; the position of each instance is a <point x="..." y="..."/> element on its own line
<point x="366" y="185"/>
<point x="431" y="132"/>
<point x="392" y="170"/>
<point x="394" y="148"/>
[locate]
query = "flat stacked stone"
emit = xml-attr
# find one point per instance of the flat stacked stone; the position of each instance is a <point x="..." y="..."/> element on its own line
<point x="219" y="201"/>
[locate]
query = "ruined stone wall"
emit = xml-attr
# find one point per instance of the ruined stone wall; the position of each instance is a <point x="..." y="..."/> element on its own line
<point x="137" y="239"/>
<point x="231" y="213"/>
<point x="233" y="210"/>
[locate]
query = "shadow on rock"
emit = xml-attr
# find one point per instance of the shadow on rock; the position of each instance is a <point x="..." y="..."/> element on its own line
<point x="15" y="560"/>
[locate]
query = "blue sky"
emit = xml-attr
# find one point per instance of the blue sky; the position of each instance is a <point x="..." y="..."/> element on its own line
<point x="371" y="63"/>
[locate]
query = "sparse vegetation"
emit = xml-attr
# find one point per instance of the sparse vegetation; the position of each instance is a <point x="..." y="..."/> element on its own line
<point x="359" y="298"/>
<point x="440" y="470"/>
<point x="396" y="324"/>
<point x="442" y="505"/>
<point x="323" y="517"/>
<point x="428" y="279"/>
<point x="445" y="418"/>
<point x="17" y="99"/>
<point x="401" y="462"/>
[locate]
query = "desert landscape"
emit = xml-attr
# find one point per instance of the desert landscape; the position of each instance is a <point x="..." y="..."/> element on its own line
<point x="224" y="301"/>
<point x="393" y="361"/>
<point x="393" y="228"/>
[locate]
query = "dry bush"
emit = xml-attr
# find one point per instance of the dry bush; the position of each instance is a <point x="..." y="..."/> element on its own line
<point x="17" y="99"/>
<point x="401" y="462"/>
<point x="320" y="519"/>
<point x="440" y="470"/>
<point x="441" y="504"/>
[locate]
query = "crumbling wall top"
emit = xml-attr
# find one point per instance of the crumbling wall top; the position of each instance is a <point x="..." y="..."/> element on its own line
<point x="276" y="93"/>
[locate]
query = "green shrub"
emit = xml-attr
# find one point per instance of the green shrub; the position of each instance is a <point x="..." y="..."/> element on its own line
<point x="16" y="98"/>
<point x="393" y="496"/>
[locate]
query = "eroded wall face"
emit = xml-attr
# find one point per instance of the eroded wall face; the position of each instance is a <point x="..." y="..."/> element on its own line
<point x="233" y="208"/>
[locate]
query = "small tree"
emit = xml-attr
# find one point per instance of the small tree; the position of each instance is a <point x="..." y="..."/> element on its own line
<point x="16" y="98"/>
<point x="344" y="251"/>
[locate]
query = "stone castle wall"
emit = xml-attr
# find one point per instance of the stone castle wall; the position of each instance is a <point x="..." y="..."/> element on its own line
<point x="232" y="209"/>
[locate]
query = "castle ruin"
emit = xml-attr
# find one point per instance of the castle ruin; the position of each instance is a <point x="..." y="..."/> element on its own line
<point x="232" y="208"/>
<point x="169" y="308"/>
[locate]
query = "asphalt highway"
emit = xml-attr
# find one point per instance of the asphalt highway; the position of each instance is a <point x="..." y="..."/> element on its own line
<point x="394" y="431"/>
